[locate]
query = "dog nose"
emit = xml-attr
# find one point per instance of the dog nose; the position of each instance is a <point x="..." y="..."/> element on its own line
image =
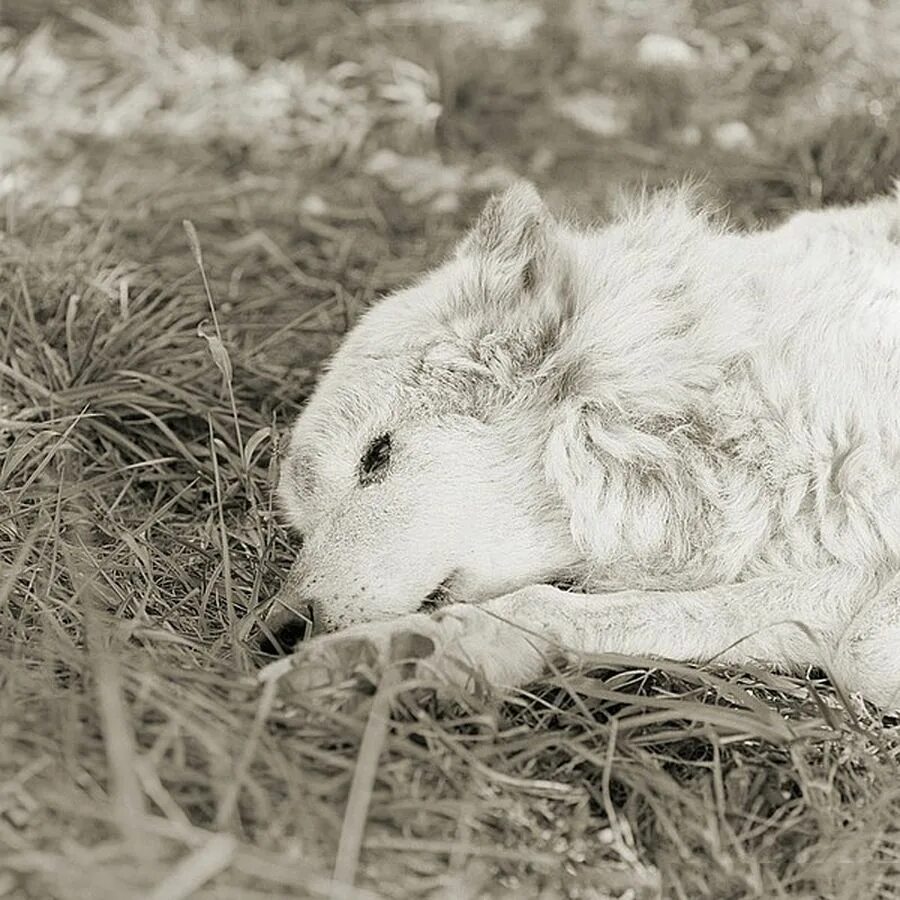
<point x="284" y="629"/>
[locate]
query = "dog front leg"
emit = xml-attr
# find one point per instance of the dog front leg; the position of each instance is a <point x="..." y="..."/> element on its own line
<point x="787" y="622"/>
<point x="835" y="618"/>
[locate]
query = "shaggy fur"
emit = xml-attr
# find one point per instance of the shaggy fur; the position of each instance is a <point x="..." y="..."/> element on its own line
<point x="697" y="429"/>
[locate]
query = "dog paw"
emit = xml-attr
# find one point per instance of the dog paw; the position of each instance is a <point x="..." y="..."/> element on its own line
<point x="356" y="654"/>
<point x="462" y="645"/>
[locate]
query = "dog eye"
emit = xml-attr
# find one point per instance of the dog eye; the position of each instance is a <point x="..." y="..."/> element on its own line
<point x="373" y="465"/>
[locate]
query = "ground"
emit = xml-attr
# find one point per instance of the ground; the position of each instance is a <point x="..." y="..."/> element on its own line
<point x="303" y="158"/>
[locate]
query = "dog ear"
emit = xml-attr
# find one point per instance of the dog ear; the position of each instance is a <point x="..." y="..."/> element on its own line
<point x="513" y="234"/>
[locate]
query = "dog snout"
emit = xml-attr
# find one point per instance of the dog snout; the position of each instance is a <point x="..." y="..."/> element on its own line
<point x="284" y="629"/>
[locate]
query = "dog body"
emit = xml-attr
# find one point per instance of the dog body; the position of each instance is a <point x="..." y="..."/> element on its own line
<point x="698" y="430"/>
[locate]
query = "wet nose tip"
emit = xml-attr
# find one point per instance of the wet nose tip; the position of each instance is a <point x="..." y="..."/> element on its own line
<point x="284" y="629"/>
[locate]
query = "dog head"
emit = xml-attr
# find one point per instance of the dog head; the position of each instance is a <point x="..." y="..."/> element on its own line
<point x="415" y="469"/>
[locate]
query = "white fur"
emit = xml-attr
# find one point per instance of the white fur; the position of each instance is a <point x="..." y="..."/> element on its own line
<point x="699" y="429"/>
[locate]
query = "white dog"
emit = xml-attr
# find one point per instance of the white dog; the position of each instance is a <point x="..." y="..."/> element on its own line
<point x="698" y="430"/>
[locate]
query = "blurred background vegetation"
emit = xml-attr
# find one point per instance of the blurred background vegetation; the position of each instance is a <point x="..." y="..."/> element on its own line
<point x="326" y="149"/>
